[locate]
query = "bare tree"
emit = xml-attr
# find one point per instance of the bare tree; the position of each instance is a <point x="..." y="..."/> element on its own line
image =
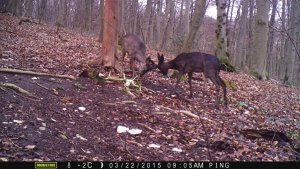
<point x="292" y="47"/>
<point x="101" y="20"/>
<point x="240" y="52"/>
<point x="261" y="38"/>
<point x="200" y="7"/>
<point x="221" y="50"/>
<point x="110" y="36"/>
<point x="271" y="56"/>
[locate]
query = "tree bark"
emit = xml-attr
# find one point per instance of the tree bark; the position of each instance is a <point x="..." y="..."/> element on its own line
<point x="292" y="47"/>
<point x="261" y="38"/>
<point x="101" y="17"/>
<point x="29" y="8"/>
<point x="158" y="22"/>
<point x="42" y="10"/>
<point x="110" y="36"/>
<point x="239" y="57"/>
<point x="281" y="64"/>
<point x="271" y="56"/>
<point x="147" y="19"/>
<point x="221" y="50"/>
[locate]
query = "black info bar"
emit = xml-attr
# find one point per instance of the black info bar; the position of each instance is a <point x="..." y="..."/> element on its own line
<point x="146" y="165"/>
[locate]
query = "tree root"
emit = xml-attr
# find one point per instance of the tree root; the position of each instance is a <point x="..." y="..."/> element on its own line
<point x="17" y="71"/>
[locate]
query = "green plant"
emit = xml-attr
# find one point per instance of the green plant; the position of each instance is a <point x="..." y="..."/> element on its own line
<point x="226" y="65"/>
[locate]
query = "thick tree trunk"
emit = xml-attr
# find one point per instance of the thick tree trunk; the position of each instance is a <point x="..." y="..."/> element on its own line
<point x="29" y="8"/>
<point x="110" y="37"/>
<point x="292" y="46"/>
<point x="42" y="10"/>
<point x="261" y="38"/>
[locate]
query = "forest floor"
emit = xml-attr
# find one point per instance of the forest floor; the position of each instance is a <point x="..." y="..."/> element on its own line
<point x="78" y="119"/>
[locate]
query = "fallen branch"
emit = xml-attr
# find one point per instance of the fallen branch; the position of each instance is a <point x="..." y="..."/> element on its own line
<point x="41" y="86"/>
<point x="18" y="89"/>
<point x="185" y="112"/>
<point x="6" y="70"/>
<point x="188" y="113"/>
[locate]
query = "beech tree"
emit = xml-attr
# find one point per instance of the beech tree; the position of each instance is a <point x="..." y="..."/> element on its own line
<point x="261" y="38"/>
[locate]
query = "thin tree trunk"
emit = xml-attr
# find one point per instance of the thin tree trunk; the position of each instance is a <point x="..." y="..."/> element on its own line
<point x="281" y="64"/>
<point x="101" y="17"/>
<point x="221" y="50"/>
<point x="250" y="37"/>
<point x="240" y="53"/>
<point x="195" y="24"/>
<point x="270" y="57"/>
<point x="158" y="22"/>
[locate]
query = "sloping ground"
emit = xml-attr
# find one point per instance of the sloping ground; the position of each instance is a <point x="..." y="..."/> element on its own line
<point x="54" y="127"/>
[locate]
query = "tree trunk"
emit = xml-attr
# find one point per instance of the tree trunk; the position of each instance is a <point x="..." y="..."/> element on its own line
<point x="186" y="17"/>
<point x="147" y="19"/>
<point x="250" y="38"/>
<point x="29" y="8"/>
<point x="87" y="14"/>
<point x="168" y="31"/>
<point x="62" y="13"/>
<point x="281" y="64"/>
<point x="42" y="10"/>
<point x="238" y="58"/>
<point x="101" y="17"/>
<point x="195" y="24"/>
<point x="271" y="56"/>
<point x="261" y="38"/>
<point x="158" y="20"/>
<point x="221" y="50"/>
<point x="110" y="36"/>
<point x="292" y="47"/>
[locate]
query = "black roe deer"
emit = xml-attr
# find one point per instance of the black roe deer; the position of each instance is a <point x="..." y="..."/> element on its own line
<point x="134" y="46"/>
<point x="195" y="62"/>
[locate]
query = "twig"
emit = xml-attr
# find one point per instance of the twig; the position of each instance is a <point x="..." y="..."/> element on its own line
<point x="18" y="89"/>
<point x="6" y="70"/>
<point x="41" y="86"/>
<point x="147" y="127"/>
<point x="147" y="89"/>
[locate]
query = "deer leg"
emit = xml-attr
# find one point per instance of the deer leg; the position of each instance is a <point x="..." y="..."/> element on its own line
<point x="190" y="82"/>
<point x="177" y="82"/>
<point x="223" y="85"/>
<point x="204" y="91"/>
<point x="213" y="78"/>
<point x="132" y="66"/>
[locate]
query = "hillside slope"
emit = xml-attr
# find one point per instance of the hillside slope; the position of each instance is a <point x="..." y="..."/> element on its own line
<point x="54" y="127"/>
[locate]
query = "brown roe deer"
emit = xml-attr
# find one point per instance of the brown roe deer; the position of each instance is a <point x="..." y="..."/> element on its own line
<point x="188" y="63"/>
<point x="134" y="46"/>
